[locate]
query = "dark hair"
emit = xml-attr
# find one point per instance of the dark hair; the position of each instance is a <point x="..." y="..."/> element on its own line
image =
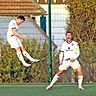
<point x="21" y="17"/>
<point x="68" y="32"/>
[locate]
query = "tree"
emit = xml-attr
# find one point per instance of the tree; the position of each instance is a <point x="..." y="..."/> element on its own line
<point x="83" y="25"/>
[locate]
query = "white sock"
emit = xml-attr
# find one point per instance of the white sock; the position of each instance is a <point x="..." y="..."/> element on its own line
<point x="28" y="56"/>
<point x="19" y="55"/>
<point x="80" y="80"/>
<point x="55" y="78"/>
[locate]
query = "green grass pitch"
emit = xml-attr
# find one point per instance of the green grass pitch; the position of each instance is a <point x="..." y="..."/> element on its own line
<point x="39" y="90"/>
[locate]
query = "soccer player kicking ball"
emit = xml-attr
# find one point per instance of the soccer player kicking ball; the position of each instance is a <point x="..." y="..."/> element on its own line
<point x="15" y="39"/>
<point x="68" y="57"/>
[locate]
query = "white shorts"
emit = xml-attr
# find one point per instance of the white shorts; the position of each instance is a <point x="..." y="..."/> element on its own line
<point x="67" y="64"/>
<point x="14" y="42"/>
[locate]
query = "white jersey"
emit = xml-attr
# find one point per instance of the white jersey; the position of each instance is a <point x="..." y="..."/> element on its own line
<point x="71" y="50"/>
<point x="13" y="40"/>
<point x="12" y="25"/>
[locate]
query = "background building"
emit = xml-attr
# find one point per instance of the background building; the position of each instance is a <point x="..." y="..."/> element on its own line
<point x="9" y="9"/>
<point x="59" y="17"/>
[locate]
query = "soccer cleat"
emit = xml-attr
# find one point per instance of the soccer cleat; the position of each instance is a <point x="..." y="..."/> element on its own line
<point x="48" y="87"/>
<point x="35" y="60"/>
<point x="81" y="88"/>
<point x="26" y="64"/>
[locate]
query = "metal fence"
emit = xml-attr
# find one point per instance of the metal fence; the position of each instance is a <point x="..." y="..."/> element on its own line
<point x="32" y="28"/>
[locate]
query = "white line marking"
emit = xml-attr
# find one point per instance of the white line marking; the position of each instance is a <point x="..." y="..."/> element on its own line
<point x="41" y="85"/>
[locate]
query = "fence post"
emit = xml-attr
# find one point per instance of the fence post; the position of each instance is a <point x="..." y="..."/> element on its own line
<point x="50" y="41"/>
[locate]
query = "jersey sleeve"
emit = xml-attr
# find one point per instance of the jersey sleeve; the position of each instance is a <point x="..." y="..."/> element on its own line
<point x="12" y="25"/>
<point x="62" y="48"/>
<point x="61" y="55"/>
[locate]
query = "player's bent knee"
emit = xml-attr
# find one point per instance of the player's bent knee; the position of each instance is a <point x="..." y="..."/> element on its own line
<point x="18" y="49"/>
<point x="60" y="72"/>
<point x="79" y="71"/>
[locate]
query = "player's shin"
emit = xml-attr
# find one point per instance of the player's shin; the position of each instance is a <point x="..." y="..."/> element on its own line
<point x="55" y="78"/>
<point x="80" y="80"/>
<point x="29" y="57"/>
<point x="19" y="55"/>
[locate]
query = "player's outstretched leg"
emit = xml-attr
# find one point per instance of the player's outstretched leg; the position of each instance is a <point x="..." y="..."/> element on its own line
<point x="55" y="78"/>
<point x="29" y="57"/>
<point x="80" y="80"/>
<point x="19" y="55"/>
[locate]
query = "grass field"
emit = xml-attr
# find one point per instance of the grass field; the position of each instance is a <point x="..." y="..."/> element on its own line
<point x="39" y="90"/>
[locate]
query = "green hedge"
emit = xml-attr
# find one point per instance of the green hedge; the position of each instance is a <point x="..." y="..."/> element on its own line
<point x="12" y="70"/>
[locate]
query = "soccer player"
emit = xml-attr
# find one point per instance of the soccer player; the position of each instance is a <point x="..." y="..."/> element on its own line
<point x="14" y="39"/>
<point x="68" y="57"/>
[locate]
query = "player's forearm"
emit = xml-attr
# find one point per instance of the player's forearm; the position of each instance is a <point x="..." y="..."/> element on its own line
<point x="76" y="55"/>
<point x="77" y="52"/>
<point x="17" y="34"/>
